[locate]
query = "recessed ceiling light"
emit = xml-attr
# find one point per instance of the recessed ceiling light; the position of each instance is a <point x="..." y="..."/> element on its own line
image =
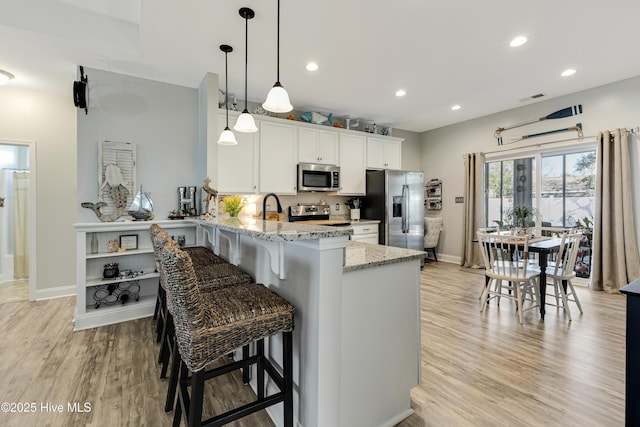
<point x="312" y="66"/>
<point x="568" y="72"/>
<point x="5" y="76"/>
<point x="518" y="41"/>
<point x="401" y="92"/>
<point x="456" y="107"/>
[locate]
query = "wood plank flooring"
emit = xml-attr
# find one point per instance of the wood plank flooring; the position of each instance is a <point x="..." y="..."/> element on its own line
<point x="478" y="369"/>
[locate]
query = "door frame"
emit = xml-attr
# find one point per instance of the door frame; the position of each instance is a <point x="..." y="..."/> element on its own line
<point x="31" y="145"/>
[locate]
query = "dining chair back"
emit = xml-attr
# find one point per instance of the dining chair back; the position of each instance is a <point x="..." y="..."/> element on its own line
<point x="432" y="228"/>
<point x="505" y="259"/>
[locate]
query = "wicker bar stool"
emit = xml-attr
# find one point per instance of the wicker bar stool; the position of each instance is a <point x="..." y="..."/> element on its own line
<point x="212" y="274"/>
<point x="211" y="325"/>
<point x="200" y="256"/>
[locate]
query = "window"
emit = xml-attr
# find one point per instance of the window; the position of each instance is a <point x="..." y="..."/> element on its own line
<point x="568" y="188"/>
<point x="508" y="183"/>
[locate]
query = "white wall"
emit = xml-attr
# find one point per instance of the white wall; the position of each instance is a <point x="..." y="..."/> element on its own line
<point x="605" y="108"/>
<point x="50" y="120"/>
<point x="160" y="118"/>
<point x="411" y="150"/>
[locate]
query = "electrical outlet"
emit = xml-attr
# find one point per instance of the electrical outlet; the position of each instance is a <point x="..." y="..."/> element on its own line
<point x="337" y="206"/>
<point x="268" y="207"/>
<point x="460" y="199"/>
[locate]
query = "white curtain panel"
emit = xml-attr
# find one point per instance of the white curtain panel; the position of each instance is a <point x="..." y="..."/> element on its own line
<point x="21" y="225"/>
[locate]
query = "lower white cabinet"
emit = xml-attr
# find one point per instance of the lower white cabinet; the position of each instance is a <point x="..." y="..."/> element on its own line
<point x="101" y="301"/>
<point x="366" y="233"/>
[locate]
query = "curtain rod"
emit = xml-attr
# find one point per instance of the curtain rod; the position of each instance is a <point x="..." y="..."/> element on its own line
<point x="633" y="131"/>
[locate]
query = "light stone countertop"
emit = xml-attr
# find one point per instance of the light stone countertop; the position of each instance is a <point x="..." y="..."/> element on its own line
<point x="360" y="255"/>
<point x="274" y="230"/>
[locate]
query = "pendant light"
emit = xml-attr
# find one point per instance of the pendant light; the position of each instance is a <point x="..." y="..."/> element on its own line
<point x="278" y="99"/>
<point x="226" y="137"/>
<point x="245" y="122"/>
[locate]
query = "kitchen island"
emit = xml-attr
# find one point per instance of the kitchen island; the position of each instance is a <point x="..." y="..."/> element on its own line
<point x="357" y="333"/>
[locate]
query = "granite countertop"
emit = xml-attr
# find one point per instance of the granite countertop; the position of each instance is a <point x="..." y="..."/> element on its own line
<point x="360" y="255"/>
<point x="275" y="230"/>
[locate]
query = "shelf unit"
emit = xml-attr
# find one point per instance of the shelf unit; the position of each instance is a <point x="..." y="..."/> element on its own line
<point x="89" y="312"/>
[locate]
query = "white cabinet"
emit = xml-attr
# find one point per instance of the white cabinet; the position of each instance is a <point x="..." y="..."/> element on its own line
<point x="352" y="159"/>
<point x="384" y="154"/>
<point x="102" y="301"/>
<point x="317" y="146"/>
<point x="238" y="164"/>
<point x="366" y="233"/>
<point x="278" y="158"/>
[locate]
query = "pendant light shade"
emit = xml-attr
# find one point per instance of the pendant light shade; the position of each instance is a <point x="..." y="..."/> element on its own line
<point x="226" y="137"/>
<point x="245" y="122"/>
<point x="278" y="99"/>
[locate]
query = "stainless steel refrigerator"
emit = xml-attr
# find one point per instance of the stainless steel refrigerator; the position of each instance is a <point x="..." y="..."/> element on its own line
<point x="396" y="198"/>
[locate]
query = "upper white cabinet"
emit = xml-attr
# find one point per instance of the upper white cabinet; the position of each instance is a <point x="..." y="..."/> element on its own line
<point x="317" y="146"/>
<point x="238" y="164"/>
<point x="278" y="157"/>
<point x="384" y="154"/>
<point x="352" y="160"/>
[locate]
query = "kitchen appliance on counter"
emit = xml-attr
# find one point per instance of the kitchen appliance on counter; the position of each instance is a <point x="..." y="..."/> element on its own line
<point x="315" y="214"/>
<point x="317" y="177"/>
<point x="396" y="198"/>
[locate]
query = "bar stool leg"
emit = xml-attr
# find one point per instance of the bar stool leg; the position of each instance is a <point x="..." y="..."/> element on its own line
<point x="260" y="368"/>
<point x="197" y="396"/>
<point x="246" y="376"/>
<point x="287" y="367"/>
<point x="173" y="379"/>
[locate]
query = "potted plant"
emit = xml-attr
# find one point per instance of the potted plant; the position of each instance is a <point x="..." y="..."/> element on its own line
<point x="520" y="217"/>
<point x="233" y="205"/>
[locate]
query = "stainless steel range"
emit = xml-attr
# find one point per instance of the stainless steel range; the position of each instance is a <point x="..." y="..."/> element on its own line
<point x="315" y="214"/>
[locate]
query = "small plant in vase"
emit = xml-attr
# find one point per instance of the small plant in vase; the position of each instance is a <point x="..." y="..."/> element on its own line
<point x="520" y="217"/>
<point x="354" y="205"/>
<point x="233" y="205"/>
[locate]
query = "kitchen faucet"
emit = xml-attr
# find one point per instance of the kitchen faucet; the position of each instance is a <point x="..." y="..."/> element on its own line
<point x="264" y="205"/>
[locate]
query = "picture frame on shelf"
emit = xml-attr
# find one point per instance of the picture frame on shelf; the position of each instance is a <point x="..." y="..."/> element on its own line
<point x="129" y="241"/>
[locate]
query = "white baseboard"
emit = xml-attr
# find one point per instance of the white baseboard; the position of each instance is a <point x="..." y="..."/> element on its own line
<point x="449" y="258"/>
<point x="58" y="292"/>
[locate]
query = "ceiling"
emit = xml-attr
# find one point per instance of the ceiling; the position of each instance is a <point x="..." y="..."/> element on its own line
<point x="441" y="53"/>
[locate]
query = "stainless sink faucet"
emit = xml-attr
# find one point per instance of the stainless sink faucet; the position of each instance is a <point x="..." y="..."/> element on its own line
<point x="264" y="204"/>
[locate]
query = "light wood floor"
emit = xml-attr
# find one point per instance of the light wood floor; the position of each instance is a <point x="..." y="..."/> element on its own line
<point x="14" y="290"/>
<point x="478" y="369"/>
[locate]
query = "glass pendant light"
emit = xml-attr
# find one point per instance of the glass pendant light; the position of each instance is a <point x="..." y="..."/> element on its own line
<point x="245" y="122"/>
<point x="278" y="99"/>
<point x="226" y="137"/>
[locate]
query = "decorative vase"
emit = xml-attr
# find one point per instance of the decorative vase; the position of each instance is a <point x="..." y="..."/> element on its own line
<point x="94" y="243"/>
<point x="111" y="270"/>
<point x="355" y="214"/>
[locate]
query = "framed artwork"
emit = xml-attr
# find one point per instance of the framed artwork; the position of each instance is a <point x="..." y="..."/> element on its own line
<point x="129" y="241"/>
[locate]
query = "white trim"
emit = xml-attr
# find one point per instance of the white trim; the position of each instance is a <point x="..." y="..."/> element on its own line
<point x="57" y="292"/>
<point x="32" y="211"/>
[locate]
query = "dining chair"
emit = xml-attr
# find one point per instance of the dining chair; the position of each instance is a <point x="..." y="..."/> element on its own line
<point x="561" y="272"/>
<point x="501" y="256"/>
<point x="432" y="227"/>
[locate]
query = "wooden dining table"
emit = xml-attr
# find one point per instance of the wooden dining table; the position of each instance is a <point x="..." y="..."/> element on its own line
<point x="543" y="246"/>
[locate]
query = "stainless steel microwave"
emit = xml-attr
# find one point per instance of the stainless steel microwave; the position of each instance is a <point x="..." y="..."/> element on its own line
<point x="316" y="177"/>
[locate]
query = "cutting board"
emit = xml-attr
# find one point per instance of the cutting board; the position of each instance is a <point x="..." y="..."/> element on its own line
<point x="274" y="216"/>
